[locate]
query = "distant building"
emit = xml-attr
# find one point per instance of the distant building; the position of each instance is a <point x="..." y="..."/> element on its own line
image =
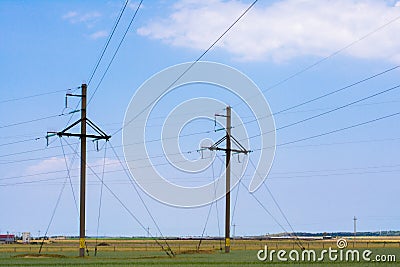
<point x="26" y="237"/>
<point x="7" y="239"/>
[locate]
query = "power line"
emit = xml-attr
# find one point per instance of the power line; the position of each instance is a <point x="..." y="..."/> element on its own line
<point x="53" y="213"/>
<point x="30" y="121"/>
<point x="300" y="104"/>
<point x="58" y="155"/>
<point x="298" y="241"/>
<point x="192" y="151"/>
<point x="113" y="123"/>
<point x="100" y="198"/>
<point x="205" y="225"/>
<point x="334" y="174"/>
<point x="333" y="131"/>
<point x="274" y="175"/>
<point x="325" y="95"/>
<point x="210" y="48"/>
<point x="162" y="164"/>
<point x="275" y="220"/>
<point x="199" y="180"/>
<point x="103" y="52"/>
<point x="289" y="108"/>
<point x="30" y="151"/>
<point x="123" y="205"/>
<point x="36" y="158"/>
<point x="35" y="181"/>
<point x="327" y="57"/>
<point x="149" y="141"/>
<point x="29" y="175"/>
<point x="209" y="211"/>
<point x="69" y="175"/>
<point x="192" y="64"/>
<point x="324" y="133"/>
<point x="116" y="51"/>
<point x="328" y="112"/>
<point x="346" y="142"/>
<point x="14" y="136"/>
<point x="341" y="169"/>
<point x="234" y="205"/>
<point x="246" y="122"/>
<point x="35" y="95"/>
<point x="108" y="40"/>
<point x="188" y="152"/>
<point x="286" y="109"/>
<point x="142" y="200"/>
<point x="22" y="141"/>
<point x="240" y="182"/>
<point x="276" y="204"/>
<point x="216" y="203"/>
<point x="31" y="159"/>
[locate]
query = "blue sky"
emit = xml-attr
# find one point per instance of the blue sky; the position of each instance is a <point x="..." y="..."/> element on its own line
<point x="320" y="183"/>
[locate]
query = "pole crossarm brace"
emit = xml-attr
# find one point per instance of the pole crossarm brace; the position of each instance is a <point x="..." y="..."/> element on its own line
<point x="215" y="147"/>
<point x="100" y="134"/>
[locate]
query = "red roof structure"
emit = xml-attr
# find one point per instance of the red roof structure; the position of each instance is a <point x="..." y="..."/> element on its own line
<point x="7" y="236"/>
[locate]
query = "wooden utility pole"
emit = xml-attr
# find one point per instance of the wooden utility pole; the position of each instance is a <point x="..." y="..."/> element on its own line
<point x="83" y="121"/>
<point x="82" y="215"/>
<point x="228" y="150"/>
<point x="228" y="181"/>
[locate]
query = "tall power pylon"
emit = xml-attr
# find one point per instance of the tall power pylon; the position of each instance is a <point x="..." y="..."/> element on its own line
<point x="83" y="121"/>
<point x="228" y="138"/>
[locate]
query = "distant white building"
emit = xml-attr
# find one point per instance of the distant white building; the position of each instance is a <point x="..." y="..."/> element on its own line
<point x="26" y="237"/>
<point x="7" y="239"/>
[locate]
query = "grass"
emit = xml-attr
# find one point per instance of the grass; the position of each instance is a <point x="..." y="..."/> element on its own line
<point x="144" y="253"/>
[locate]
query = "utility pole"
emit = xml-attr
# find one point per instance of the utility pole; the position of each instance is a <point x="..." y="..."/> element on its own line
<point x="82" y="207"/>
<point x="83" y="121"/>
<point x="355" y="229"/>
<point x="228" y="138"/>
<point x="234" y="230"/>
<point x="228" y="180"/>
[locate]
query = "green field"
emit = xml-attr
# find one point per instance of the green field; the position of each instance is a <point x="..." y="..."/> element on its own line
<point x="147" y="253"/>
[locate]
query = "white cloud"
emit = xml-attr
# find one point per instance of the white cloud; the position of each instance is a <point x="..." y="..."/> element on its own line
<point x="47" y="165"/>
<point x="98" y="34"/>
<point x="110" y="165"/>
<point x="88" y="18"/>
<point x="134" y="5"/>
<point x="70" y="15"/>
<point x="284" y="29"/>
